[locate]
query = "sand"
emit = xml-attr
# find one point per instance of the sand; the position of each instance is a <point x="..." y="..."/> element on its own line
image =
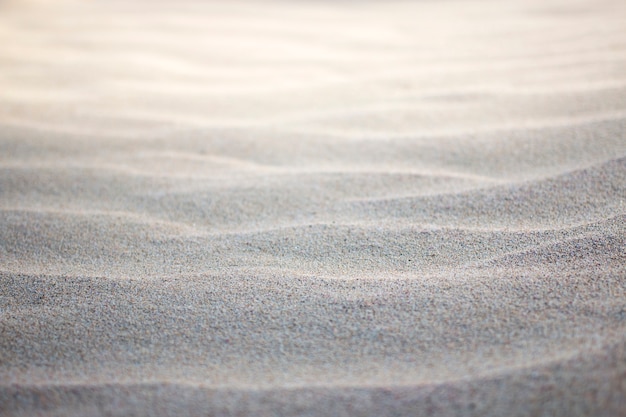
<point x="316" y="208"/>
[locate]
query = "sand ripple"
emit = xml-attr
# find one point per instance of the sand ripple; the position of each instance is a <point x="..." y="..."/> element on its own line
<point x="312" y="208"/>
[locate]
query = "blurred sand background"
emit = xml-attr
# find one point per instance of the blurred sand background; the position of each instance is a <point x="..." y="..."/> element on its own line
<point x="333" y="208"/>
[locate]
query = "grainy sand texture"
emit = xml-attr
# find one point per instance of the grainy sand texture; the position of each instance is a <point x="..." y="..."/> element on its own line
<point x="312" y="208"/>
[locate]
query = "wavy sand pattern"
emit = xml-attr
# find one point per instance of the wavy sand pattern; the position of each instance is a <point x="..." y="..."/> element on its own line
<point x="312" y="208"/>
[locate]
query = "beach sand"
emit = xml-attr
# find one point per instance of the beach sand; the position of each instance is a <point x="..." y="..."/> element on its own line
<point x="316" y="208"/>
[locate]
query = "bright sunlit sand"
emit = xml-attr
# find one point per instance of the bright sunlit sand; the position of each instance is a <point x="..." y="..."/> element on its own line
<point x="320" y="208"/>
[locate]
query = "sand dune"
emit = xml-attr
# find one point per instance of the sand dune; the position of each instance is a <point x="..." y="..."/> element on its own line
<point x="312" y="208"/>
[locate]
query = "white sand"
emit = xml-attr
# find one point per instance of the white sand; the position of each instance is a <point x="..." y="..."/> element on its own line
<point x="312" y="208"/>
